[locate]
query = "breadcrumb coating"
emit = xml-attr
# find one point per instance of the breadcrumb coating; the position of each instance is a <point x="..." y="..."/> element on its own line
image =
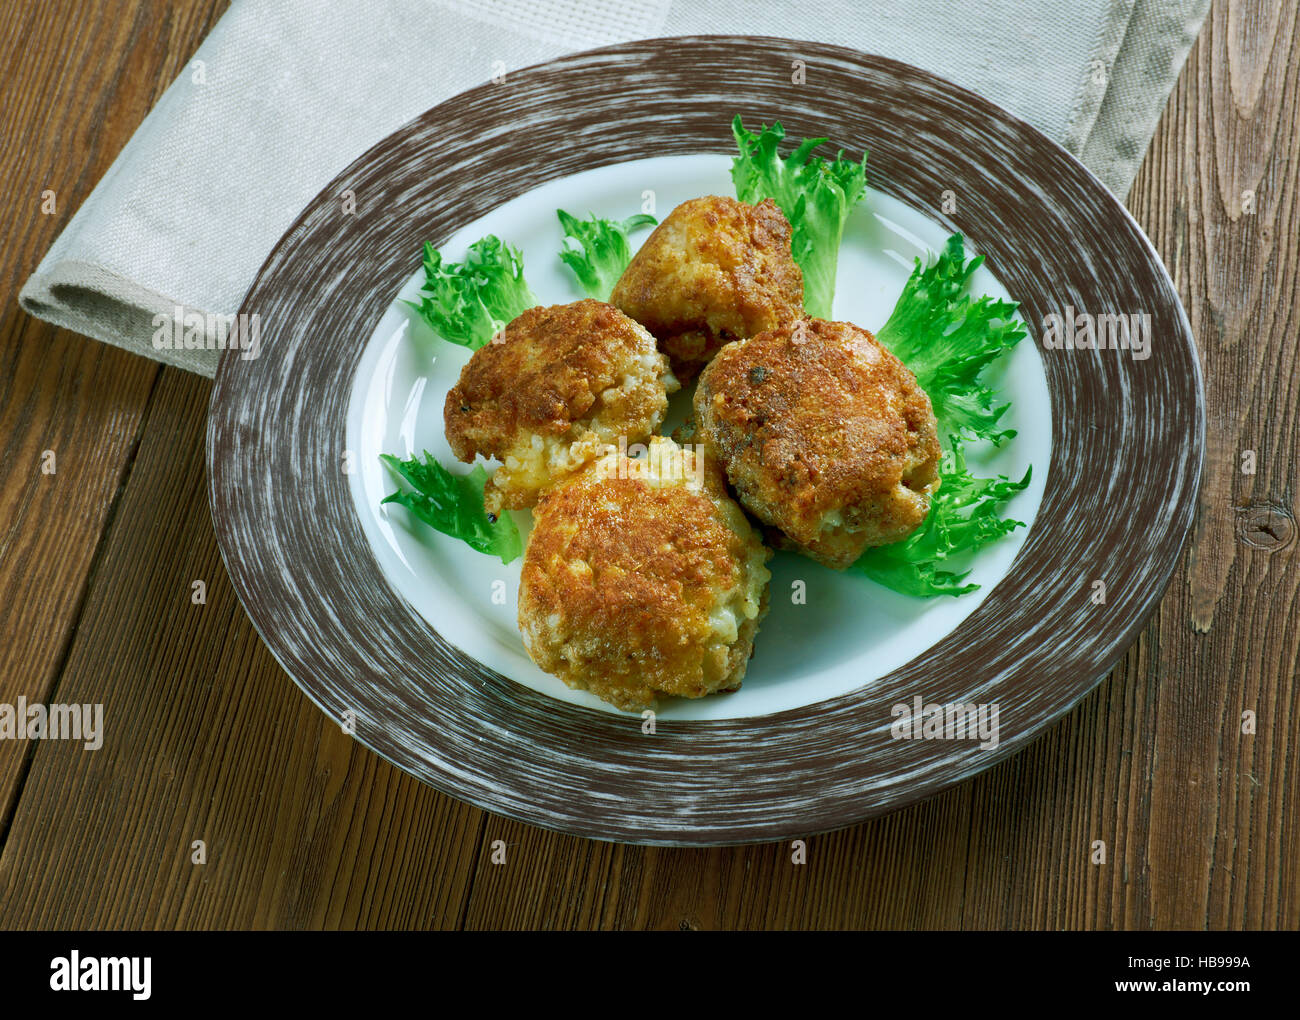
<point x="715" y="270"/>
<point x="824" y="435"/>
<point x="560" y="384"/>
<point x="643" y="577"/>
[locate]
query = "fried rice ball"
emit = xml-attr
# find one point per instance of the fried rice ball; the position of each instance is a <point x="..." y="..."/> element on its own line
<point x="643" y="577"/>
<point x="825" y="436"/>
<point x="559" y="385"/>
<point x="715" y="270"/>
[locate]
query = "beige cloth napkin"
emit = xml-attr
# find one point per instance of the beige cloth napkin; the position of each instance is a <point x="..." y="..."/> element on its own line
<point x="283" y="94"/>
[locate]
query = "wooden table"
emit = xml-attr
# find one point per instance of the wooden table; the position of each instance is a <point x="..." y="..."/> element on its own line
<point x="208" y="740"/>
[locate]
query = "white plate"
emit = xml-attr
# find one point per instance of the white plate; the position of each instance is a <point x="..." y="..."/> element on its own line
<point x="850" y="631"/>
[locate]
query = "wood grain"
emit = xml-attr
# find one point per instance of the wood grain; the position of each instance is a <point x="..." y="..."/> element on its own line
<point x="73" y="91"/>
<point x="1227" y="639"/>
<point x="306" y="829"/>
<point x="206" y="739"/>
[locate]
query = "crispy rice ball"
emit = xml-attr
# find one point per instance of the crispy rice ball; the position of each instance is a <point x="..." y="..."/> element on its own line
<point x="643" y="577"/>
<point x="548" y="396"/>
<point x="824" y="435"/>
<point x="715" y="270"/>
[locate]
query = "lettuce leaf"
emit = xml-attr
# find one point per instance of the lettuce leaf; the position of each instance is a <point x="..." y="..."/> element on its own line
<point x="963" y="518"/>
<point x="947" y="339"/>
<point x="453" y="504"/>
<point x="597" y="250"/>
<point x="469" y="302"/>
<point x="815" y="194"/>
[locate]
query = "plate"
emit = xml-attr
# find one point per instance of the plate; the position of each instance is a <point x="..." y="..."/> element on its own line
<point x="827" y="632"/>
<point x="408" y="639"/>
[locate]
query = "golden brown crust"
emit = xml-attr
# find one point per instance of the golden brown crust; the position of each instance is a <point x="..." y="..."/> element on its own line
<point x="560" y="383"/>
<point x="625" y="580"/>
<point x="825" y="436"/>
<point x="713" y="271"/>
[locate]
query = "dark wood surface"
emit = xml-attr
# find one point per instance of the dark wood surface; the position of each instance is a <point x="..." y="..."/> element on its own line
<point x="207" y="739"/>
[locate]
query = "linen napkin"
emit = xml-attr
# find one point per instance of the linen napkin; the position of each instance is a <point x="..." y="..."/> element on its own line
<point x="283" y="94"/>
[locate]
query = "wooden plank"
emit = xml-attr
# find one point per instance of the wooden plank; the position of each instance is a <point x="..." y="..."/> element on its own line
<point x="551" y="881"/>
<point x="83" y="403"/>
<point x="59" y="392"/>
<point x="207" y="740"/>
<point x="1218" y="194"/>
